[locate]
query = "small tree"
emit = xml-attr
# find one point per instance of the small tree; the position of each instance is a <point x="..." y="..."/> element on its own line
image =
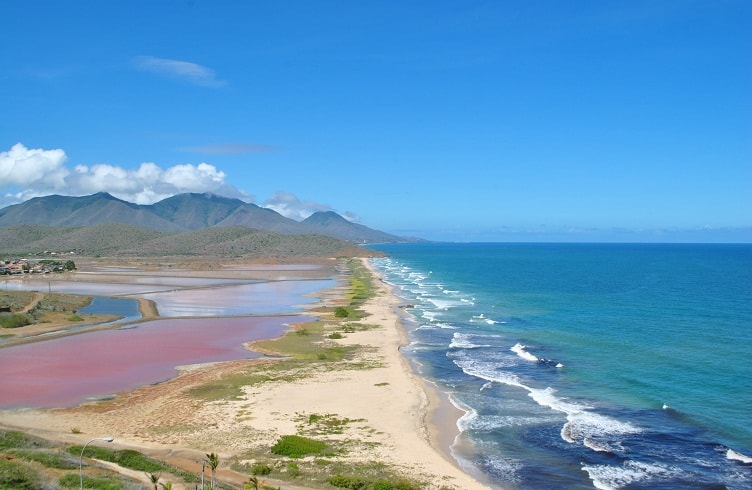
<point x="154" y="479"/>
<point x="213" y="460"/>
<point x="254" y="484"/>
<point x="167" y="486"/>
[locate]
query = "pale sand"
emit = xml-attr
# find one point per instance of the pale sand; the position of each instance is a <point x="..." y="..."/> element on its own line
<point x="394" y="412"/>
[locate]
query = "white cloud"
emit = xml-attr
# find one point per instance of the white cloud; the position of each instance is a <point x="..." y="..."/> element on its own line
<point x="183" y="70"/>
<point x="289" y="206"/>
<point x="21" y="166"/>
<point x="27" y="173"/>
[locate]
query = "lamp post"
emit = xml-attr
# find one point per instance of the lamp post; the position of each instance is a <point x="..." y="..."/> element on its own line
<point x="81" y="459"/>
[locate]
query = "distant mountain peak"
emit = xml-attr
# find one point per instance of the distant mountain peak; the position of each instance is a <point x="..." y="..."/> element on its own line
<point x="183" y="212"/>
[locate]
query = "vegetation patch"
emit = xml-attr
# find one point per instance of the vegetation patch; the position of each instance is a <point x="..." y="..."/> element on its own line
<point x="106" y="482"/>
<point x="326" y="424"/>
<point x="14" y="320"/>
<point x="17" y="439"/>
<point x="17" y="476"/>
<point x="47" y="458"/>
<point x="16" y="300"/>
<point x="297" y="446"/>
<point x="127" y="458"/>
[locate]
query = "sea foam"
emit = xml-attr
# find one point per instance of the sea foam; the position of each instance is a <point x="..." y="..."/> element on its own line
<point x="519" y="349"/>
<point x="737" y="456"/>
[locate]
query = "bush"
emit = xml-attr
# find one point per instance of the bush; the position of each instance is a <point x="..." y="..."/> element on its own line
<point x="349" y="482"/>
<point x="14" y="320"/>
<point x="297" y="446"/>
<point x="341" y="312"/>
<point x="47" y="458"/>
<point x="127" y="458"/>
<point x="15" y="476"/>
<point x="261" y="469"/>
<point x="72" y="480"/>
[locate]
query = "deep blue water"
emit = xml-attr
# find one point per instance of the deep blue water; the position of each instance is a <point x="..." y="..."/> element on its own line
<point x="125" y="308"/>
<point x="588" y="365"/>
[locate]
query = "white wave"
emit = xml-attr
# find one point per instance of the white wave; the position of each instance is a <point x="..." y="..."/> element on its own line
<point x="607" y="477"/>
<point x="486" y="386"/>
<point x="601" y="446"/>
<point x="430" y="315"/>
<point x="442" y="304"/>
<point x="737" y="456"/>
<point x="484" y="370"/>
<point x="468" y="417"/>
<point x="559" y="365"/>
<point x="582" y="425"/>
<point x="464" y="341"/>
<point x="519" y="349"/>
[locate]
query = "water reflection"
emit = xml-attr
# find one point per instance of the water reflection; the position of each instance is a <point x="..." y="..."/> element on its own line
<point x="244" y="299"/>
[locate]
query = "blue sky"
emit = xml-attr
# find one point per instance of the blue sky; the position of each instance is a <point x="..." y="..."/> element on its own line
<point x="448" y="120"/>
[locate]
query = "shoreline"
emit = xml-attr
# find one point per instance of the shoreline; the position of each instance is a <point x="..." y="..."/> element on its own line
<point x="440" y="412"/>
<point x="395" y="417"/>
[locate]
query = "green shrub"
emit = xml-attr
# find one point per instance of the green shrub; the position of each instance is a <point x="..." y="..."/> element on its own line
<point x="14" y="320"/>
<point x="261" y="469"/>
<point x="349" y="482"/>
<point x="127" y="458"/>
<point x="72" y="480"/>
<point x="398" y="485"/>
<point x="341" y="312"/>
<point x="16" y="439"/>
<point x="16" y="476"/>
<point x="47" y="458"/>
<point x="297" y="446"/>
<point x="335" y="335"/>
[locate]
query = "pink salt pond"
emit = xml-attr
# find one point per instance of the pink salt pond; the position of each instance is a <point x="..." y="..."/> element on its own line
<point x="67" y="371"/>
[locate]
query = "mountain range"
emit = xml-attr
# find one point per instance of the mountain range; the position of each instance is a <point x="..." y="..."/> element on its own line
<point x="183" y="213"/>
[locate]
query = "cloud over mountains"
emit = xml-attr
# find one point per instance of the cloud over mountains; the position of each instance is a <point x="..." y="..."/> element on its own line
<point x="26" y="173"/>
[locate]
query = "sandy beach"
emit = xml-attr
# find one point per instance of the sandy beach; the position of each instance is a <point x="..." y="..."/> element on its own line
<point x="390" y="415"/>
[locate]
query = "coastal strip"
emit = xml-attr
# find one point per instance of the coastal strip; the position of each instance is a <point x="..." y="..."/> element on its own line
<point x="354" y="390"/>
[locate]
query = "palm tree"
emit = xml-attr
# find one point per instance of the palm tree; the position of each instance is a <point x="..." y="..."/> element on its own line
<point x="154" y="479"/>
<point x="253" y="484"/>
<point x="167" y="486"/>
<point x="213" y="460"/>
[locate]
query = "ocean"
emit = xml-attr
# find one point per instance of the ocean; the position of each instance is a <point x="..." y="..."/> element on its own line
<point x="582" y="366"/>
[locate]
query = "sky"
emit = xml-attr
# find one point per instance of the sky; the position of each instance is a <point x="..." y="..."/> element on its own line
<point x="446" y="120"/>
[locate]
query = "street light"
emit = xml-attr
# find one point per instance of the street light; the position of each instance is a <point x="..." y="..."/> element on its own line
<point x="81" y="459"/>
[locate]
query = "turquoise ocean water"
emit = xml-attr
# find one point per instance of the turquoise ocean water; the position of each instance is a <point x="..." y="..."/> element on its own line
<point x="587" y="365"/>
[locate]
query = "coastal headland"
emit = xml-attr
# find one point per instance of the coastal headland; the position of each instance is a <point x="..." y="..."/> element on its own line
<point x="334" y="385"/>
